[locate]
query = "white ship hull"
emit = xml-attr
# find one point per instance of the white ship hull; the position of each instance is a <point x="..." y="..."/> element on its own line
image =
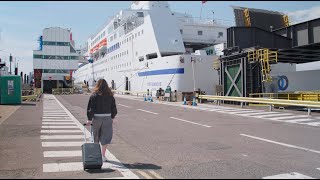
<point x="160" y="73"/>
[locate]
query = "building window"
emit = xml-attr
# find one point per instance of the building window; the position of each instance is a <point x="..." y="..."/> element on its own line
<point x="142" y="31"/>
<point x="220" y="34"/>
<point x="181" y="31"/>
<point x="139" y="33"/>
<point x="38" y="56"/>
<point x="200" y="32"/>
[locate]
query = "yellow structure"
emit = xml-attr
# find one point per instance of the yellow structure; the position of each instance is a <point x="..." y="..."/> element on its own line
<point x="265" y="57"/>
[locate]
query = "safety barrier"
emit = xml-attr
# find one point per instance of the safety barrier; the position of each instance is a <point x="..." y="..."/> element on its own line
<point x="31" y="95"/>
<point x="307" y="96"/>
<point x="270" y="102"/>
<point x="63" y="91"/>
<point x="144" y="93"/>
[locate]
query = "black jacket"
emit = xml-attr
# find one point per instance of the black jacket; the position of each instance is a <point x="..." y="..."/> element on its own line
<point x="99" y="104"/>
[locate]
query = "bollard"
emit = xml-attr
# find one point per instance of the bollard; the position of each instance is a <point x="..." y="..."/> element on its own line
<point x="309" y="111"/>
<point x="184" y="100"/>
<point x="194" y="102"/>
<point x="241" y="104"/>
<point x="270" y="107"/>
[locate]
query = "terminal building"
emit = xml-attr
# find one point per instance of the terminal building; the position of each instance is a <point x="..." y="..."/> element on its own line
<point x="55" y="61"/>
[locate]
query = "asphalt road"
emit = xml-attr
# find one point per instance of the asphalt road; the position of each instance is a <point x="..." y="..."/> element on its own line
<point x="218" y="146"/>
<point x="153" y="140"/>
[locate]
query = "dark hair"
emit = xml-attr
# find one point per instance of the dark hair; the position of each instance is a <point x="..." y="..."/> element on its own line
<point x="102" y="88"/>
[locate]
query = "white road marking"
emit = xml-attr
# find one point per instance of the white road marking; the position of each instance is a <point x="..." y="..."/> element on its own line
<point x="61" y="131"/>
<point x="282" y="144"/>
<point x="58" y="123"/>
<point x="63" y="167"/>
<point x="62" y="153"/>
<point x="272" y="115"/>
<point x="189" y="122"/>
<point x="57" y="120"/>
<point x="312" y="123"/>
<point x="156" y="174"/>
<point x="144" y="175"/>
<point x="293" y="175"/>
<point x="147" y="111"/>
<point x="62" y="137"/>
<point x="298" y="120"/>
<point x="242" y="111"/>
<point x="59" y="127"/>
<point x="288" y="117"/>
<point x="124" y="105"/>
<point x="62" y="144"/>
<point x="258" y="113"/>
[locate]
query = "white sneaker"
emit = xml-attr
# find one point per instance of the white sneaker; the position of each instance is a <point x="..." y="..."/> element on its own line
<point x="104" y="159"/>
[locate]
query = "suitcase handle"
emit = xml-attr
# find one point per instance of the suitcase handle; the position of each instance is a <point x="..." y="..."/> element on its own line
<point x="84" y="132"/>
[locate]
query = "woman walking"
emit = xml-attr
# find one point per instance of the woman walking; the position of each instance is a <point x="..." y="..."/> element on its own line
<point x="102" y="109"/>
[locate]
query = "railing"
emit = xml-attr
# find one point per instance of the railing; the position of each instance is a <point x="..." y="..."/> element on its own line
<point x="305" y="96"/>
<point x="64" y="91"/>
<point x="270" y="102"/>
<point x="144" y="93"/>
<point x="31" y="95"/>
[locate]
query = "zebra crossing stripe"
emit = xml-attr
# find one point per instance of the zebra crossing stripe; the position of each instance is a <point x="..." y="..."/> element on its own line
<point x="61" y="137"/>
<point x="58" y="123"/>
<point x="293" y="175"/>
<point x="271" y="115"/>
<point x="62" y="153"/>
<point x="298" y="120"/>
<point x="288" y="117"/>
<point x="312" y="123"/>
<point x="62" y="144"/>
<point x="258" y="113"/>
<point x="57" y="120"/>
<point x="61" y="131"/>
<point x="145" y="175"/>
<point x="59" y="127"/>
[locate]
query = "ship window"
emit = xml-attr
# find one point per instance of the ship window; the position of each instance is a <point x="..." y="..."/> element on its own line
<point x="141" y="58"/>
<point x="151" y="56"/>
<point x="200" y="32"/>
<point x="140" y="14"/>
<point x="181" y="31"/>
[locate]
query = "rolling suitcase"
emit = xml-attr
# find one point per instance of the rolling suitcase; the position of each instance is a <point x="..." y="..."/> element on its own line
<point x="91" y="153"/>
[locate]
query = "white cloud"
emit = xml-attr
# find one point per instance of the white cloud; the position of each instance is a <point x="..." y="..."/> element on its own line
<point x="304" y="15"/>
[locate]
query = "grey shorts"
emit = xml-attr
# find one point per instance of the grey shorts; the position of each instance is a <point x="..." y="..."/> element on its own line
<point x="102" y="130"/>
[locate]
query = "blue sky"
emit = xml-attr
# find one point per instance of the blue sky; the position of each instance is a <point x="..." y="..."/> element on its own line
<point x="21" y="23"/>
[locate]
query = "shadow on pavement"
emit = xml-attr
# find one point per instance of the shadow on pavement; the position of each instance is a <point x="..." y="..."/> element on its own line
<point x="96" y="171"/>
<point x="27" y="104"/>
<point x="137" y="165"/>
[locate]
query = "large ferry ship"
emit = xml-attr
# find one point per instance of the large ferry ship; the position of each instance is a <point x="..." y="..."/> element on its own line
<point x="147" y="47"/>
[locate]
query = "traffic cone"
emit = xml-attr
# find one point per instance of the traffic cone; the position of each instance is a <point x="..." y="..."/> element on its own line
<point x="184" y="100"/>
<point x="194" y="102"/>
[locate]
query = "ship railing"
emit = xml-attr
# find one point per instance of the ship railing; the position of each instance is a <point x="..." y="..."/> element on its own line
<point x="134" y="93"/>
<point x="269" y="102"/>
<point x="205" y="21"/>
